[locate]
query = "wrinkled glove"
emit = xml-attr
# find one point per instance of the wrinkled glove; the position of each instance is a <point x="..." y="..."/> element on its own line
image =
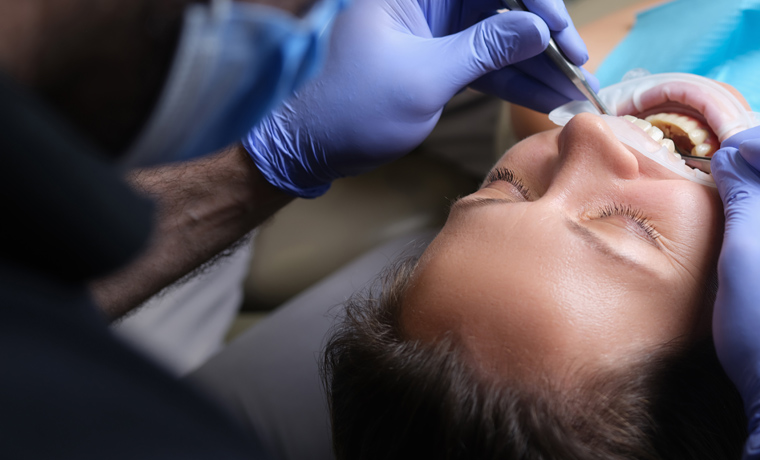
<point x="736" y="319"/>
<point x="391" y="67"/>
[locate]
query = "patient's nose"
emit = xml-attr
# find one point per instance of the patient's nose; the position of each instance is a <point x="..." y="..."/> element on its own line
<point x="589" y="150"/>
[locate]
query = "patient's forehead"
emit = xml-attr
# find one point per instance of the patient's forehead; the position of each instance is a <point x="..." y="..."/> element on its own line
<point x="524" y="297"/>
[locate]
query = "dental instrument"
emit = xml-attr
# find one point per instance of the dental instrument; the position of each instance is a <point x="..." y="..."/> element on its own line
<point x="726" y="117"/>
<point x="570" y="70"/>
<point x="701" y="163"/>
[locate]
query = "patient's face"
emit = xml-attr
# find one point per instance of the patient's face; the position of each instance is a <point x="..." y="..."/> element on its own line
<point x="576" y="252"/>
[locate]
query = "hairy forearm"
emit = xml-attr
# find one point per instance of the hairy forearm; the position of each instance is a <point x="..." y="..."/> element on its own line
<point x="203" y="207"/>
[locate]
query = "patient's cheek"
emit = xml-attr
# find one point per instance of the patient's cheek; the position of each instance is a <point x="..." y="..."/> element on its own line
<point x="736" y="94"/>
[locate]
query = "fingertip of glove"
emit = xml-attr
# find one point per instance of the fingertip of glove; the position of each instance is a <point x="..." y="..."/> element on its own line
<point x="538" y="27"/>
<point x="750" y="151"/>
<point x="571" y="43"/>
<point x="740" y="137"/>
<point x="733" y="175"/>
<point x="553" y="13"/>
<point x="525" y="33"/>
<point x="721" y="159"/>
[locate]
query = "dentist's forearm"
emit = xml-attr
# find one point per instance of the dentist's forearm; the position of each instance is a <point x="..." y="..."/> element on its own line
<point x="203" y="207"/>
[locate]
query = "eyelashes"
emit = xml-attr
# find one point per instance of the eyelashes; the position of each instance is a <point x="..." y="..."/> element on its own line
<point x="507" y="175"/>
<point x="634" y="215"/>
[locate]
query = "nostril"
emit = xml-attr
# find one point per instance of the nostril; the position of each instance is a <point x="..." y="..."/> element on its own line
<point x="588" y="142"/>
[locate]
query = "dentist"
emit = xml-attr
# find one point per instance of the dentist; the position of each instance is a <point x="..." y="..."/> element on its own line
<point x="90" y="88"/>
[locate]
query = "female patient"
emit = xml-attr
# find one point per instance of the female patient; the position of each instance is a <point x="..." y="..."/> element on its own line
<point x="562" y="312"/>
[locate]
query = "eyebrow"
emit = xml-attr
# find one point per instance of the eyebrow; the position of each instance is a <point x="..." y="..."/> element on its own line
<point x="603" y="247"/>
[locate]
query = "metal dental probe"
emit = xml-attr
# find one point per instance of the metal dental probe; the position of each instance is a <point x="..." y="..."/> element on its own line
<point x="575" y="75"/>
<point x="570" y="70"/>
<point x="701" y="163"/>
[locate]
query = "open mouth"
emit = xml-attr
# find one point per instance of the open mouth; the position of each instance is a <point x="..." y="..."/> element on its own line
<point x="679" y="133"/>
<point x="684" y="117"/>
<point x="678" y="113"/>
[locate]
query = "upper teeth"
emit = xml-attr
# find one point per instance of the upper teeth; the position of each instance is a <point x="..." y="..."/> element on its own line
<point x="671" y="128"/>
<point x="688" y="133"/>
<point x="654" y="132"/>
<point x="672" y="157"/>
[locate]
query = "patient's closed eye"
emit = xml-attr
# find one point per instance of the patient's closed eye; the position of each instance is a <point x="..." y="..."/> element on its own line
<point x="634" y="215"/>
<point x="507" y="175"/>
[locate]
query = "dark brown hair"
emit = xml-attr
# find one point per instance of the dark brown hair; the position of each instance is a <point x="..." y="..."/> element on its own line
<point x="396" y="398"/>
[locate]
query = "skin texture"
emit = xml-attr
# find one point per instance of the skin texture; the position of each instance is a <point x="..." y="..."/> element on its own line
<point x="203" y="207"/>
<point x="542" y="279"/>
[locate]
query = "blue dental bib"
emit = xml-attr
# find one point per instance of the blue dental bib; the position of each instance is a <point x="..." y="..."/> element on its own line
<point x="717" y="40"/>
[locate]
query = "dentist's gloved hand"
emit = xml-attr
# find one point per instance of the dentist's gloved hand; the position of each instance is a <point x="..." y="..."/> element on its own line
<point x="392" y="66"/>
<point x="736" y="319"/>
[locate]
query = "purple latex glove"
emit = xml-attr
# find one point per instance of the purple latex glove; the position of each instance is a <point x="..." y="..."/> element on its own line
<point x="391" y="67"/>
<point x="736" y="319"/>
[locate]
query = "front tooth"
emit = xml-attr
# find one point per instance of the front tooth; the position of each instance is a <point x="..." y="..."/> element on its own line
<point x="643" y="124"/>
<point x="687" y="124"/>
<point x="668" y="144"/>
<point x="656" y="133"/>
<point x="702" y="150"/>
<point x="698" y="136"/>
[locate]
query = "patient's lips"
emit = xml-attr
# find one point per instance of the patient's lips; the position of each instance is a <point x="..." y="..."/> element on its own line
<point x="649" y="140"/>
<point x="700" y="102"/>
<point x="671" y="112"/>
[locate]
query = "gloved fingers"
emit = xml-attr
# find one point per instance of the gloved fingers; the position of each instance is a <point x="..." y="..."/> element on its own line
<point x="489" y="45"/>
<point x="734" y="175"/>
<point x="571" y="43"/>
<point x="518" y="88"/>
<point x="543" y="69"/>
<point x="750" y="151"/>
<point x="736" y="317"/>
<point x="555" y="14"/>
<point x="739" y="187"/>
<point x="735" y="140"/>
<point x="737" y="176"/>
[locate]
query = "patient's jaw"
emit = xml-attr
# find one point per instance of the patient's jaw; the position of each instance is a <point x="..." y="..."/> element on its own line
<point x="596" y="255"/>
